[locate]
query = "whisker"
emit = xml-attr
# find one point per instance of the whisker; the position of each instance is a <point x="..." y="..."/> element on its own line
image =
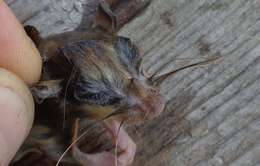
<point x="141" y="69"/>
<point x="65" y="96"/>
<point x="73" y="143"/>
<point x="84" y="134"/>
<point x="164" y="76"/>
<point x="117" y="112"/>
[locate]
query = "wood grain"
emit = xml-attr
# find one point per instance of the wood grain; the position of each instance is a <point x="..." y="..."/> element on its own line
<point x="213" y="112"/>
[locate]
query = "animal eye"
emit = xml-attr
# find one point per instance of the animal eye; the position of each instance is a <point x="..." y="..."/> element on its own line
<point x="94" y="92"/>
<point x="101" y="98"/>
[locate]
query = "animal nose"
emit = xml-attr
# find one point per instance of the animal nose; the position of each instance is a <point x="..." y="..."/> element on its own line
<point x="156" y="104"/>
<point x="154" y="91"/>
<point x="153" y="103"/>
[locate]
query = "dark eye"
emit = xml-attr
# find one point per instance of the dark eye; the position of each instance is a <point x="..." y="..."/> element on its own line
<point x="101" y="98"/>
<point x="94" y="92"/>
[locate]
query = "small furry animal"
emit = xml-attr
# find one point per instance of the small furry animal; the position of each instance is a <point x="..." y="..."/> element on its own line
<point x="92" y="83"/>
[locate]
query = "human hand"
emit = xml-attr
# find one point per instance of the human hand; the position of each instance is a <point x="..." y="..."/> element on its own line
<point x="20" y="64"/>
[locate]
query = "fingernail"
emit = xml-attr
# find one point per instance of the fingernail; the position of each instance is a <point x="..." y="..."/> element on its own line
<point x="13" y="124"/>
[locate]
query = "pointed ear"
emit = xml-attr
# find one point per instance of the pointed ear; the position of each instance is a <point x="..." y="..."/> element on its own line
<point x="128" y="52"/>
<point x="34" y="34"/>
<point x="105" y="18"/>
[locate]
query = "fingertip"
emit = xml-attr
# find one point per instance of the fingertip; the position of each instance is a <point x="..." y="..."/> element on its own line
<point x="13" y="124"/>
<point x="18" y="53"/>
<point x="17" y="112"/>
<point x="14" y="83"/>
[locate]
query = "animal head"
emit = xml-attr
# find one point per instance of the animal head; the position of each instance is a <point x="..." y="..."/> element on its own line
<point x="102" y="78"/>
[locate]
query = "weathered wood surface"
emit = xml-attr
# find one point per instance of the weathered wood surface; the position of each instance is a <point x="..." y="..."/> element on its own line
<point x="213" y="112"/>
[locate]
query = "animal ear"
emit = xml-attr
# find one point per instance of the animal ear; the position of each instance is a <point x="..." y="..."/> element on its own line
<point x="105" y="18"/>
<point x="34" y="34"/>
<point x="128" y="52"/>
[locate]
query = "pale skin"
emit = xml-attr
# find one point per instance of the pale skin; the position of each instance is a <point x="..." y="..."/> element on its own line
<point x="20" y="65"/>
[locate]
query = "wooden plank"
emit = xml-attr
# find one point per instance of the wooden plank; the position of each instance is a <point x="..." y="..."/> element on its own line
<point x="212" y="112"/>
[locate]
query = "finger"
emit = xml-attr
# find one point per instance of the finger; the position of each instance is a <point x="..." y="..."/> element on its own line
<point x="17" y="54"/>
<point x="17" y="111"/>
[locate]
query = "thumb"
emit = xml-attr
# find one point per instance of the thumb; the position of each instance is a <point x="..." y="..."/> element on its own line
<point x="16" y="114"/>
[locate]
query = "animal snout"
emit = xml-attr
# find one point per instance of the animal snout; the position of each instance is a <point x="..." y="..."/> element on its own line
<point x="153" y="104"/>
<point x="153" y="91"/>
